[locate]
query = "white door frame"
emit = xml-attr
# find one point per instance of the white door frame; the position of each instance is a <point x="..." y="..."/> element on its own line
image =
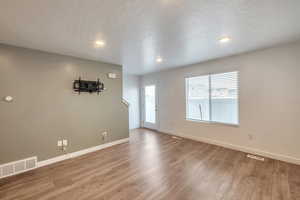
<point x="144" y="123"/>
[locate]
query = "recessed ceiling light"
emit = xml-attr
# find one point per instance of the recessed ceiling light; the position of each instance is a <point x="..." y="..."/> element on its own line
<point x="159" y="59"/>
<point x="224" y="39"/>
<point x="99" y="43"/>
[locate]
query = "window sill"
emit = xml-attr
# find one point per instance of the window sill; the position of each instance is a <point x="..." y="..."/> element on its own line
<point x="213" y="123"/>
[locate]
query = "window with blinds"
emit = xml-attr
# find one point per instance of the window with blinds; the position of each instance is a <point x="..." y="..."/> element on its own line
<point x="213" y="98"/>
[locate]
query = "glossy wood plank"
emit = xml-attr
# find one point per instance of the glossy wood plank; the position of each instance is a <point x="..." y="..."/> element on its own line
<point x="155" y="166"/>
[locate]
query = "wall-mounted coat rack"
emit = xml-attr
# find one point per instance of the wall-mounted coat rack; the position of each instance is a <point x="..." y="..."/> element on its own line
<point x="88" y="86"/>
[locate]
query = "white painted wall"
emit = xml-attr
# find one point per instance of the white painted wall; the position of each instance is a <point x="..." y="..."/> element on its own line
<point x="269" y="102"/>
<point x="131" y="93"/>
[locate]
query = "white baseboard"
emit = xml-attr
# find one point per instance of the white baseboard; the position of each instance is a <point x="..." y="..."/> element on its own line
<point x="79" y="153"/>
<point x="280" y="157"/>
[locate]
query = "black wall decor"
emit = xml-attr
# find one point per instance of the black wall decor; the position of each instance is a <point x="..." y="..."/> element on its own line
<point x="88" y="86"/>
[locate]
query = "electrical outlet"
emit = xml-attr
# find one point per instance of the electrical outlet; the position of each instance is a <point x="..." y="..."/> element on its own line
<point x="104" y="135"/>
<point x="250" y="136"/>
<point x="65" y="142"/>
<point x="64" y="148"/>
<point x="59" y="143"/>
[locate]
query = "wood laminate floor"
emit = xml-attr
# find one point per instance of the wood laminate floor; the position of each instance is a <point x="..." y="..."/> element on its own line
<point x="156" y="166"/>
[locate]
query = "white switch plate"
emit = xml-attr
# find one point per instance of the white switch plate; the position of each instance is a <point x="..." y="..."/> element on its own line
<point x="8" y="99"/>
<point x="59" y="143"/>
<point x="65" y="142"/>
<point x="112" y="75"/>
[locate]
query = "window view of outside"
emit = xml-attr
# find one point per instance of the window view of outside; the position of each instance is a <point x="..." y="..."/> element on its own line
<point x="150" y="104"/>
<point x="224" y="97"/>
<point x="198" y="98"/>
<point x="217" y="97"/>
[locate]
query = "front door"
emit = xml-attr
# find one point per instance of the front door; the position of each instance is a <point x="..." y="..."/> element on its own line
<point x="150" y="107"/>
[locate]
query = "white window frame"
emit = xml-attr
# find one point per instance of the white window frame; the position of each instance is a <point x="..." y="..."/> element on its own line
<point x="210" y="107"/>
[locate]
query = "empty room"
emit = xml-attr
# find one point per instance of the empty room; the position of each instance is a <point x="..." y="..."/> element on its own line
<point x="149" y="100"/>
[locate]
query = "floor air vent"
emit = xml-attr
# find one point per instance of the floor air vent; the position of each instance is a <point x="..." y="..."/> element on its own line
<point x="17" y="167"/>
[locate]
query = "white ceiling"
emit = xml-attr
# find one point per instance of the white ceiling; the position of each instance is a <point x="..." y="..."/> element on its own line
<point x="137" y="31"/>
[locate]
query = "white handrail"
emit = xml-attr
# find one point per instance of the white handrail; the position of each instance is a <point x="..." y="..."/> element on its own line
<point x="126" y="103"/>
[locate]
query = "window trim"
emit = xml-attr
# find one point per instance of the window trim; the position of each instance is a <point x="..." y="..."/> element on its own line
<point x="212" y="122"/>
<point x="186" y="78"/>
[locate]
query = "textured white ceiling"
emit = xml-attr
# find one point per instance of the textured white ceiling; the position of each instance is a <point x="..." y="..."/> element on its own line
<point x="137" y="31"/>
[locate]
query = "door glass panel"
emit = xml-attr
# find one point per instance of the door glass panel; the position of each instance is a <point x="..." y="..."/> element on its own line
<point x="150" y="113"/>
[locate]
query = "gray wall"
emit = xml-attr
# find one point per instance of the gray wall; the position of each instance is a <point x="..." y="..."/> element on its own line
<point x="131" y="93"/>
<point x="46" y="109"/>
<point x="269" y="101"/>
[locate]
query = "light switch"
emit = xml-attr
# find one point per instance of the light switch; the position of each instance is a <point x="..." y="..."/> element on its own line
<point x="65" y="142"/>
<point x="59" y="143"/>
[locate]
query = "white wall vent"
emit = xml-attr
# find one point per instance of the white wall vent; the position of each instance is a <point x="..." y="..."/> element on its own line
<point x="17" y="167"/>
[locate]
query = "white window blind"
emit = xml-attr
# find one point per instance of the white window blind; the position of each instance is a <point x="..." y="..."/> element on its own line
<point x="213" y="98"/>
